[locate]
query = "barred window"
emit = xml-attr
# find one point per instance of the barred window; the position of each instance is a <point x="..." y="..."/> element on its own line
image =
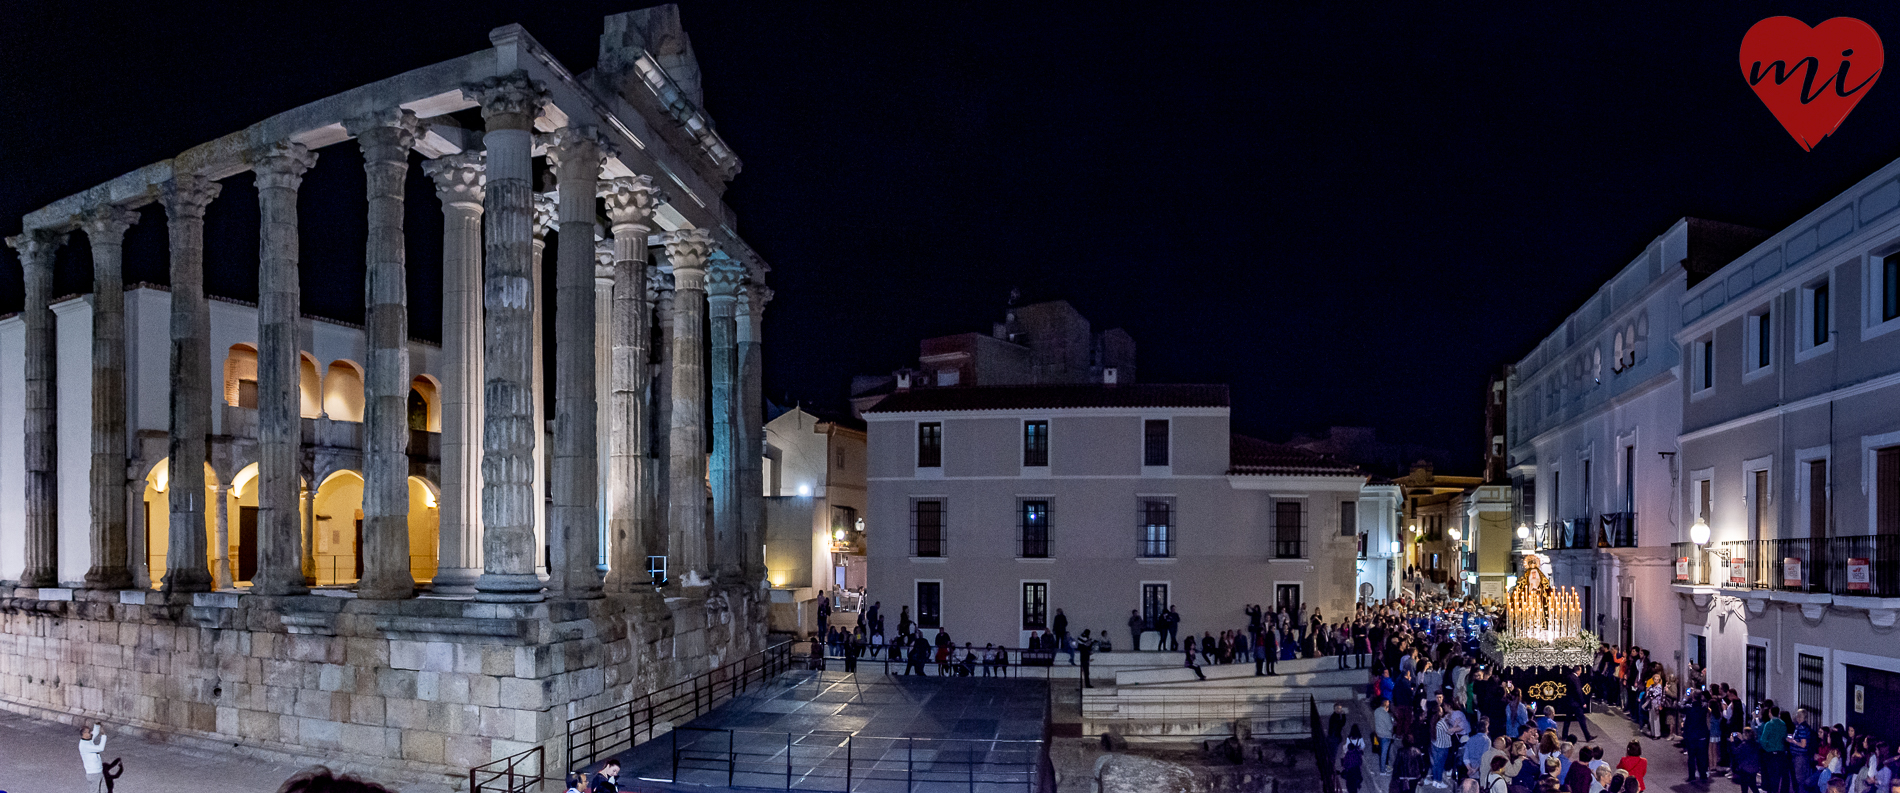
<point x="1289" y="530"/>
<point x="1812" y="676"/>
<point x="1035" y="527"/>
<point x="1035" y="605"/>
<point x="1035" y="443"/>
<point x="926" y="528"/>
<point x="1155" y="442"/>
<point x="930" y="445"/>
<point x="1156" y="540"/>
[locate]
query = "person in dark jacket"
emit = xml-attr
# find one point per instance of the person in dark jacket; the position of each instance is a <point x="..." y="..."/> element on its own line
<point x="1576" y="706"/>
<point x="1695" y="737"/>
<point x="1135" y="626"/>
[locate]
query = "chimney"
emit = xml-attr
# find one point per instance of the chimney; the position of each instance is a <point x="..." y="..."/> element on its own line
<point x="903" y="381"/>
<point x="1109" y="375"/>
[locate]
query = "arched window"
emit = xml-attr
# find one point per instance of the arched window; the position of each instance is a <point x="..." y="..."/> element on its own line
<point x="240" y="376"/>
<point x="343" y="391"/>
<point x="425" y="404"/>
<point x="309" y="387"/>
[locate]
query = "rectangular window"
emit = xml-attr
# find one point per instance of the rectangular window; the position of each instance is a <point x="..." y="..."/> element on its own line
<point x="1589" y="610"/>
<point x="1629" y="479"/>
<point x="1810" y="677"/>
<point x="1348" y="518"/>
<point x="1157" y="529"/>
<point x="1755" y="683"/>
<point x="1154" y="602"/>
<point x="1705" y="365"/>
<point x="930" y="604"/>
<point x="1700" y="652"/>
<point x="930" y="445"/>
<point x="1887" y="490"/>
<point x="926" y="535"/>
<point x="1818" y="314"/>
<point x="1154" y="442"/>
<point x="1035" y="530"/>
<point x="1035" y="443"/>
<point x="1890" y="288"/>
<point x="1817" y="499"/>
<point x="1764" y="336"/>
<point x="1289" y="529"/>
<point x="1035" y="606"/>
<point x="1586" y="491"/>
<point x="1702" y="499"/>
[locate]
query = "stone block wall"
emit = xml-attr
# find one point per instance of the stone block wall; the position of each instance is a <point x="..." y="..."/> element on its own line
<point x="423" y="686"/>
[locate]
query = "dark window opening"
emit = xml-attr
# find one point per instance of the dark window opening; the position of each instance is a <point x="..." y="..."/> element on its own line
<point x="1821" y="322"/>
<point x="1035" y="529"/>
<point x="929" y="604"/>
<point x="1035" y="606"/>
<point x="1289" y="530"/>
<point x="930" y="445"/>
<point x="926" y="529"/>
<point x="1157" y="529"/>
<point x="1035" y="443"/>
<point x="1155" y="442"/>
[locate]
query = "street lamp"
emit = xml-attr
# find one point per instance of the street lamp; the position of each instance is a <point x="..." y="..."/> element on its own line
<point x="1523" y="532"/>
<point x="1699" y="533"/>
<point x="1455" y="534"/>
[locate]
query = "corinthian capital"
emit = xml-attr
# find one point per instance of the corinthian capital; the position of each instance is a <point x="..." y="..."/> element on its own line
<point x="688" y="249"/>
<point x="659" y="286"/>
<point x="578" y="146"/>
<point x="106" y="224"/>
<point x="508" y="102"/>
<point x="546" y="212"/>
<point x="723" y="277"/>
<point x="282" y="164"/>
<point x="460" y="179"/>
<point x="185" y="196"/>
<point x="385" y="134"/>
<point x="630" y="202"/>
<point x="604" y="260"/>
<point x="36" y="246"/>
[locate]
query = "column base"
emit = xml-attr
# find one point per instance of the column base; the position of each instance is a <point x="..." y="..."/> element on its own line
<point x="509" y="588"/>
<point x="189" y="580"/>
<point x="280" y="585"/>
<point x="456" y="580"/>
<point x="108" y="578"/>
<point x="397" y="587"/>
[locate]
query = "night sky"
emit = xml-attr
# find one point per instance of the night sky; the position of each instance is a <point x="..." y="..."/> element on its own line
<point x="1349" y="216"/>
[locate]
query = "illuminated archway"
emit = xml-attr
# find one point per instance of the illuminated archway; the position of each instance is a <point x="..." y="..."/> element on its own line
<point x="240" y="376"/>
<point x="157" y="511"/>
<point x="309" y="387"/>
<point x="343" y="391"/>
<point x="339" y="529"/>
<point x="425" y="524"/>
<point x="425" y="404"/>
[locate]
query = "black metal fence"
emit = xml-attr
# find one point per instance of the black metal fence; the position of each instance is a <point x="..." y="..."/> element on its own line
<point x="607" y="731"/>
<point x="1011" y="662"/>
<point x="1862" y="566"/>
<point x="845" y="762"/>
<point x="518" y="773"/>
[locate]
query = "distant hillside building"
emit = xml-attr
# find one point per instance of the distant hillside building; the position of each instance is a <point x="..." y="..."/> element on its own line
<point x="1038" y="344"/>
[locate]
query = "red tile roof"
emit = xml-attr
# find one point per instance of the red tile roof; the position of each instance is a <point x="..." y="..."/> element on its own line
<point x="1252" y="456"/>
<point x="1042" y="397"/>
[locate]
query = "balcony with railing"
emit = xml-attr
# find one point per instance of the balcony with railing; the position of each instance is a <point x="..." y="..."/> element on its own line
<point x="1861" y="566"/>
<point x="1613" y="530"/>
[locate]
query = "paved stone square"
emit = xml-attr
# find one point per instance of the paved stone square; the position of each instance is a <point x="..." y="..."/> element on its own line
<point x="43" y="757"/>
<point x="866" y="732"/>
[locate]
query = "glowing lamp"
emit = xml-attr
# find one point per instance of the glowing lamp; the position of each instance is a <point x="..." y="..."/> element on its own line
<point x="1523" y="532"/>
<point x="1395" y="546"/>
<point x="804" y="490"/>
<point x="1455" y="534"/>
<point x="1699" y="533"/>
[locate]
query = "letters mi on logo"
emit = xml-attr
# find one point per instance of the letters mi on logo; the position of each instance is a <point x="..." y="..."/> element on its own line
<point x="1811" y="78"/>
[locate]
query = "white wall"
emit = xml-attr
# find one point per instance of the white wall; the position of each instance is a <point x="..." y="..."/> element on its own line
<point x="72" y="322"/>
<point x="12" y="448"/>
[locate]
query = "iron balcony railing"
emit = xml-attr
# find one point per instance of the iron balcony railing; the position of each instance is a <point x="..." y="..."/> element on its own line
<point x="1860" y="566"/>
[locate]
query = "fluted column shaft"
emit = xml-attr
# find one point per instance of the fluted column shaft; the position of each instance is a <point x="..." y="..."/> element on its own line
<point x="575" y="574"/>
<point x="546" y="217"/>
<point x="279" y="172"/>
<point x="604" y="486"/>
<point x="748" y="320"/>
<point x="459" y="182"/>
<point x="659" y="541"/>
<point x="185" y="198"/>
<point x="105" y="228"/>
<point x="36" y="250"/>
<point x="688" y="249"/>
<point x="385" y="138"/>
<point x="509" y="105"/>
<point x="630" y="203"/>
<point x="722" y="292"/>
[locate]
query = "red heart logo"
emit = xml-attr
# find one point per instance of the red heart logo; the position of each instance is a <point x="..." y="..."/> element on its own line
<point x="1811" y="78"/>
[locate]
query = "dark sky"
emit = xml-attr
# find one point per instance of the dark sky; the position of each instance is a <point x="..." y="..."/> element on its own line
<point x="1349" y="213"/>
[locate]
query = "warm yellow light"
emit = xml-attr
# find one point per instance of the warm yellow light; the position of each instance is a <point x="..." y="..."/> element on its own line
<point x="1523" y="532"/>
<point x="159" y="479"/>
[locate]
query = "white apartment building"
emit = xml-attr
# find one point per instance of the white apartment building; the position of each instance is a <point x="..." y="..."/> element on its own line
<point x="814" y="512"/>
<point x="1790" y="463"/>
<point x="991" y="507"/>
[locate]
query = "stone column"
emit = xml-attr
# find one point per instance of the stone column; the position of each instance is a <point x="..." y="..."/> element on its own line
<point x="509" y="437"/>
<point x="604" y="486"/>
<point x="722" y="291"/>
<point x="221" y="575"/>
<point x="576" y="158"/>
<point x="630" y="204"/>
<point x="386" y="137"/>
<point x="279" y="170"/>
<point x="309" y="497"/>
<point x="659" y="540"/>
<point x="750" y="317"/>
<point x="459" y="182"/>
<point x="688" y="250"/>
<point x="36" y="248"/>
<point x="105" y="227"/>
<point x="546" y="214"/>
<point x="185" y="198"/>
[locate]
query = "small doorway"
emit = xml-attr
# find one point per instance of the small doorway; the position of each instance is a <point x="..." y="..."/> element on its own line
<point x="247" y="543"/>
<point x="1625" y="619"/>
<point x="359" y="545"/>
<point x="1873" y="696"/>
<point x="1154" y="602"/>
<point x="1286" y="598"/>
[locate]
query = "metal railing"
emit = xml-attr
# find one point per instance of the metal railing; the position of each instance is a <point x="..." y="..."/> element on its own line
<point x="1618" y="530"/>
<point x="604" y="732"/>
<point x="842" y="761"/>
<point x="517" y="773"/>
<point x="1859" y="566"/>
<point x="1285" y="715"/>
<point x="1015" y="662"/>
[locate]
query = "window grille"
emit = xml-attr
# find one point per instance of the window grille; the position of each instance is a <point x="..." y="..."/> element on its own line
<point x="1156" y="525"/>
<point x="1035" y="529"/>
<point x="1155" y="442"/>
<point x="1289" y="530"/>
<point x="1035" y="606"/>
<point x="1035" y="443"/>
<point x="930" y="445"/>
<point x="1812" y="675"/>
<point x="926" y="534"/>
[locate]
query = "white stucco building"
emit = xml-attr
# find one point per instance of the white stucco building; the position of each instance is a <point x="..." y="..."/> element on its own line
<point x="992" y="507"/>
<point x="814" y="512"/>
